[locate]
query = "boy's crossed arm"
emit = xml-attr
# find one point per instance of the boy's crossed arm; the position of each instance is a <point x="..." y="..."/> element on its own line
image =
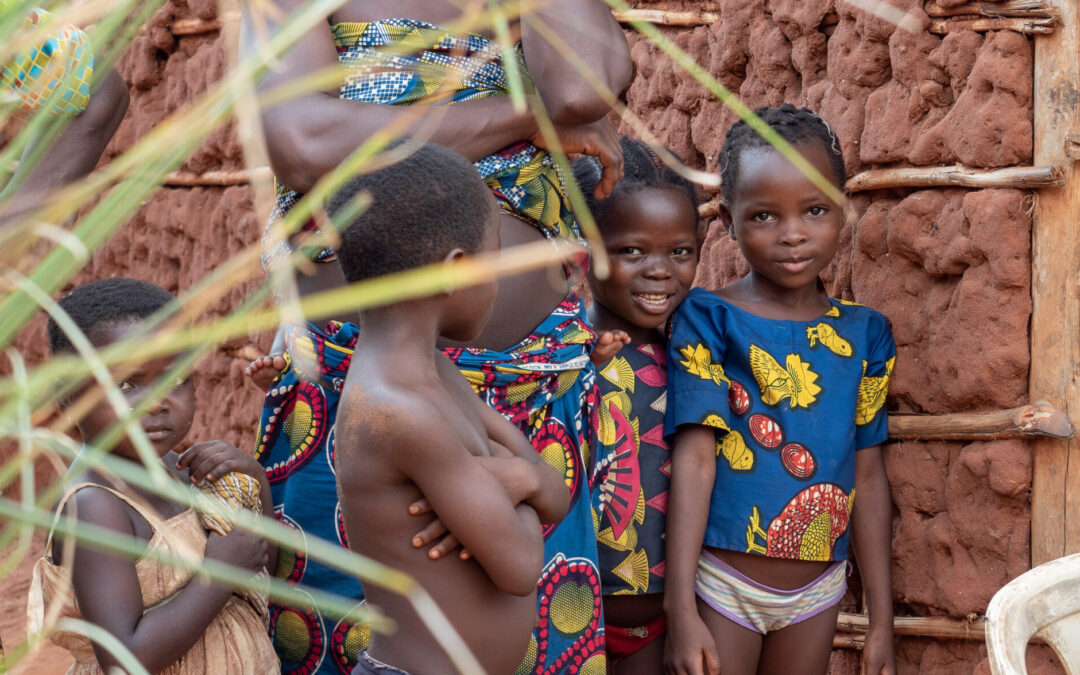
<point x="469" y="499"/>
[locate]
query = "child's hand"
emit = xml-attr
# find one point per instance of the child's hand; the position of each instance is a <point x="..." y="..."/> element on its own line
<point x="879" y="655"/>
<point x="608" y="344"/>
<point x="434" y="530"/>
<point x="239" y="548"/>
<point x="690" y="648"/>
<point x="213" y="459"/>
<point x="264" y="369"/>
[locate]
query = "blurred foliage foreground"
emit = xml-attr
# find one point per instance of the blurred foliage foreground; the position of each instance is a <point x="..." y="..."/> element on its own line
<point x="43" y="245"/>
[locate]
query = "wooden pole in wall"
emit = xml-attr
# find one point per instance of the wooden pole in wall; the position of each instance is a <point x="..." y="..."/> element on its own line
<point x="1055" y="276"/>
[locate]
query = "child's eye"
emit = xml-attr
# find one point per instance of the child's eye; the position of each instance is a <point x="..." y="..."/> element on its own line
<point x="126" y="386"/>
<point x="761" y="217"/>
<point x="180" y="381"/>
<point x="683" y="251"/>
<point x="817" y="211"/>
<point x="631" y="250"/>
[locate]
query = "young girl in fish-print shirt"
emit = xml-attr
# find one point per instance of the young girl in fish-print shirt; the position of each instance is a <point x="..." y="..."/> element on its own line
<point x="776" y="415"/>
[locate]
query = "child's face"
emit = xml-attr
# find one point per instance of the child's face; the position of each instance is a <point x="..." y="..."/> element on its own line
<point x="787" y="228"/>
<point x="651" y="240"/>
<point x="473" y="304"/>
<point x="166" y="423"/>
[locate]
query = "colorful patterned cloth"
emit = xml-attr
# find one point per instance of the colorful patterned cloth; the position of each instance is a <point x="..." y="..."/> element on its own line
<point x="405" y="62"/>
<point x="296" y="445"/>
<point x="791" y="402"/>
<point x="631" y="470"/>
<point x="545" y="385"/>
<point x="238" y="492"/>
<point x="61" y="60"/>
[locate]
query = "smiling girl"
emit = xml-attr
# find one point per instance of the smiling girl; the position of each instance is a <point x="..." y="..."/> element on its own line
<point x="649" y="226"/>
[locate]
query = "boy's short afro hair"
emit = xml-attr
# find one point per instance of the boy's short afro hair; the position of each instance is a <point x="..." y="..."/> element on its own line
<point x="107" y="301"/>
<point x="422" y="207"/>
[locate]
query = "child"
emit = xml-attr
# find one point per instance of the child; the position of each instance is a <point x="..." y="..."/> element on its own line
<point x="776" y="411"/>
<point x="649" y="226"/>
<point x="410" y="426"/>
<point x="171" y="621"/>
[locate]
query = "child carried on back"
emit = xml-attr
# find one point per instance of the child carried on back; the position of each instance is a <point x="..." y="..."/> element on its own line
<point x="171" y="620"/>
<point x="411" y="427"/>
<point x="649" y="225"/>
<point x="776" y="414"/>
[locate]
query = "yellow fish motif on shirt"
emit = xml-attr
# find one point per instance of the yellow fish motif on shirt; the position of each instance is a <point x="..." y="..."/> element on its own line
<point x="794" y="381"/>
<point x="699" y="362"/>
<point x="735" y="450"/>
<point x="872" y="391"/>
<point x="826" y="335"/>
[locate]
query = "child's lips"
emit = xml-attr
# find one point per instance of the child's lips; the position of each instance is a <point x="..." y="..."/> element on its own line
<point x="795" y="265"/>
<point x="158" y="433"/>
<point x="654" y="303"/>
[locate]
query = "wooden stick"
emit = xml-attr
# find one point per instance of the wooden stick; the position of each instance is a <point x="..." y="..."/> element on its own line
<point x="199" y="26"/>
<point x="708" y="210"/>
<point x="920" y="626"/>
<point x="1037" y="419"/>
<point x="1032" y="26"/>
<point x="946" y="176"/>
<point x="214" y="178"/>
<point x="848" y="641"/>
<point x="663" y="17"/>
<point x="1055" y="305"/>
<point x="1027" y="8"/>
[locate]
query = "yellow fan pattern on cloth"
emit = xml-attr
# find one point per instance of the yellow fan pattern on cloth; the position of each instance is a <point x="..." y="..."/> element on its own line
<point x="230" y="494"/>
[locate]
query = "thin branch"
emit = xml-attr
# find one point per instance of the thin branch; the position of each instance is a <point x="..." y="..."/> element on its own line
<point x="852" y="628"/>
<point x="1025" y="8"/>
<point x="663" y="17"/>
<point x="1027" y="26"/>
<point x="1038" y="419"/>
<point x="946" y="176"/>
<point x="199" y="26"/>
<point x="214" y="178"/>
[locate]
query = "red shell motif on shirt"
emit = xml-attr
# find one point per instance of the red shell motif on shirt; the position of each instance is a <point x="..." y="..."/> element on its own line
<point x="765" y="430"/>
<point x="798" y="461"/>
<point x="738" y="398"/>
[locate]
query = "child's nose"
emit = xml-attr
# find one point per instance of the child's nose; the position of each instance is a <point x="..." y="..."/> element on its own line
<point x="793" y="232"/>
<point x="657" y="267"/>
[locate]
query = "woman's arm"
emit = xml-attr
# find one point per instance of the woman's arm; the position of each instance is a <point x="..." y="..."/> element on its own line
<point x="693" y="470"/>
<point x="872" y="537"/>
<point x="588" y="27"/>
<point x="108" y="592"/>
<point x="310" y="134"/>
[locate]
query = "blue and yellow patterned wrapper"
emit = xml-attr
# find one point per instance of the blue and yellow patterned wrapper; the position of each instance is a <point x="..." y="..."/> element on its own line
<point x="60" y="60"/>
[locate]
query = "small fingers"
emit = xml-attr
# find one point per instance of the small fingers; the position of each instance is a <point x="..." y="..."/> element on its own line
<point x="433" y="531"/>
<point x="447" y="544"/>
<point x="420" y="507"/>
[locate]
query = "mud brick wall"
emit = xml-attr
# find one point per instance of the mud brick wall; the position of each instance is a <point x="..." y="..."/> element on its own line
<point x="949" y="267"/>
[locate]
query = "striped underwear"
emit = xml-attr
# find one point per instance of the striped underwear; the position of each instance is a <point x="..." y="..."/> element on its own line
<point x="761" y="608"/>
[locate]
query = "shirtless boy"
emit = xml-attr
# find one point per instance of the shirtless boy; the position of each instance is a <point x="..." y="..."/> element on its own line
<point x="410" y="427"/>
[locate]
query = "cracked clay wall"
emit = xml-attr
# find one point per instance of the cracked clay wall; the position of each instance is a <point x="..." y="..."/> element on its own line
<point x="949" y="267"/>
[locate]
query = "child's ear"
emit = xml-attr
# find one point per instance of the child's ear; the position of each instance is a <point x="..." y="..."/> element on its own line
<point x="454" y="256"/>
<point x="724" y="211"/>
